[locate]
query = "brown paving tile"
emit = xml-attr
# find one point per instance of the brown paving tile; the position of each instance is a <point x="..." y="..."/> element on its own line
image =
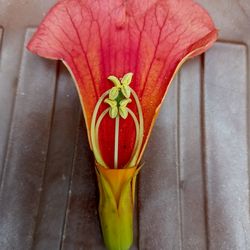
<point x="27" y="150"/>
<point x="226" y="147"/>
<point x="57" y="176"/>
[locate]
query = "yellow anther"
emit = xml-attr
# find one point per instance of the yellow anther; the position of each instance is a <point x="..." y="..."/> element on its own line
<point x="127" y="78"/>
<point x="120" y="85"/>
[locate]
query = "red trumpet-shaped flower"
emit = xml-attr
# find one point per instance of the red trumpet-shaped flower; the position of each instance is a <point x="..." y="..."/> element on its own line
<point x="122" y="54"/>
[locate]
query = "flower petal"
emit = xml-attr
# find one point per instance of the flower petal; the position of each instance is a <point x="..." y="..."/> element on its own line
<point x="151" y="39"/>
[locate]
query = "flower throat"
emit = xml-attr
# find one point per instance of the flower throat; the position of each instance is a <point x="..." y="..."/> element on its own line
<point x="118" y="98"/>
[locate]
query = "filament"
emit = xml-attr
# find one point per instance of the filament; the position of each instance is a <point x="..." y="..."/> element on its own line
<point x="137" y="128"/>
<point x="141" y="129"/>
<point x="98" y="123"/>
<point x="95" y="126"/>
<point x="98" y="156"/>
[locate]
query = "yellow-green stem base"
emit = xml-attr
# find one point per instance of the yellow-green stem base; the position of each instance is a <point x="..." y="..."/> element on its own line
<point x="116" y="205"/>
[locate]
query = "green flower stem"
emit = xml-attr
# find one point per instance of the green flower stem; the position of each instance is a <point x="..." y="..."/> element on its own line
<point x="116" y="205"/>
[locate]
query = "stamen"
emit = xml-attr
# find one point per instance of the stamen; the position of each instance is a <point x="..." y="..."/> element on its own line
<point x="141" y="129"/>
<point x="137" y="128"/>
<point x="98" y="156"/>
<point x="122" y="106"/>
<point x="98" y="123"/>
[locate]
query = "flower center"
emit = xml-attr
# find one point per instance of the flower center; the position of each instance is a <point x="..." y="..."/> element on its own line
<point x="118" y="100"/>
<point x="119" y="96"/>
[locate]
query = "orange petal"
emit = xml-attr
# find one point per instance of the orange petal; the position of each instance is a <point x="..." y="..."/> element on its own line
<point x="150" y="39"/>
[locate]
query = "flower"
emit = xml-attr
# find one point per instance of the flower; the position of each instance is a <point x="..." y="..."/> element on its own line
<point x="144" y="43"/>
